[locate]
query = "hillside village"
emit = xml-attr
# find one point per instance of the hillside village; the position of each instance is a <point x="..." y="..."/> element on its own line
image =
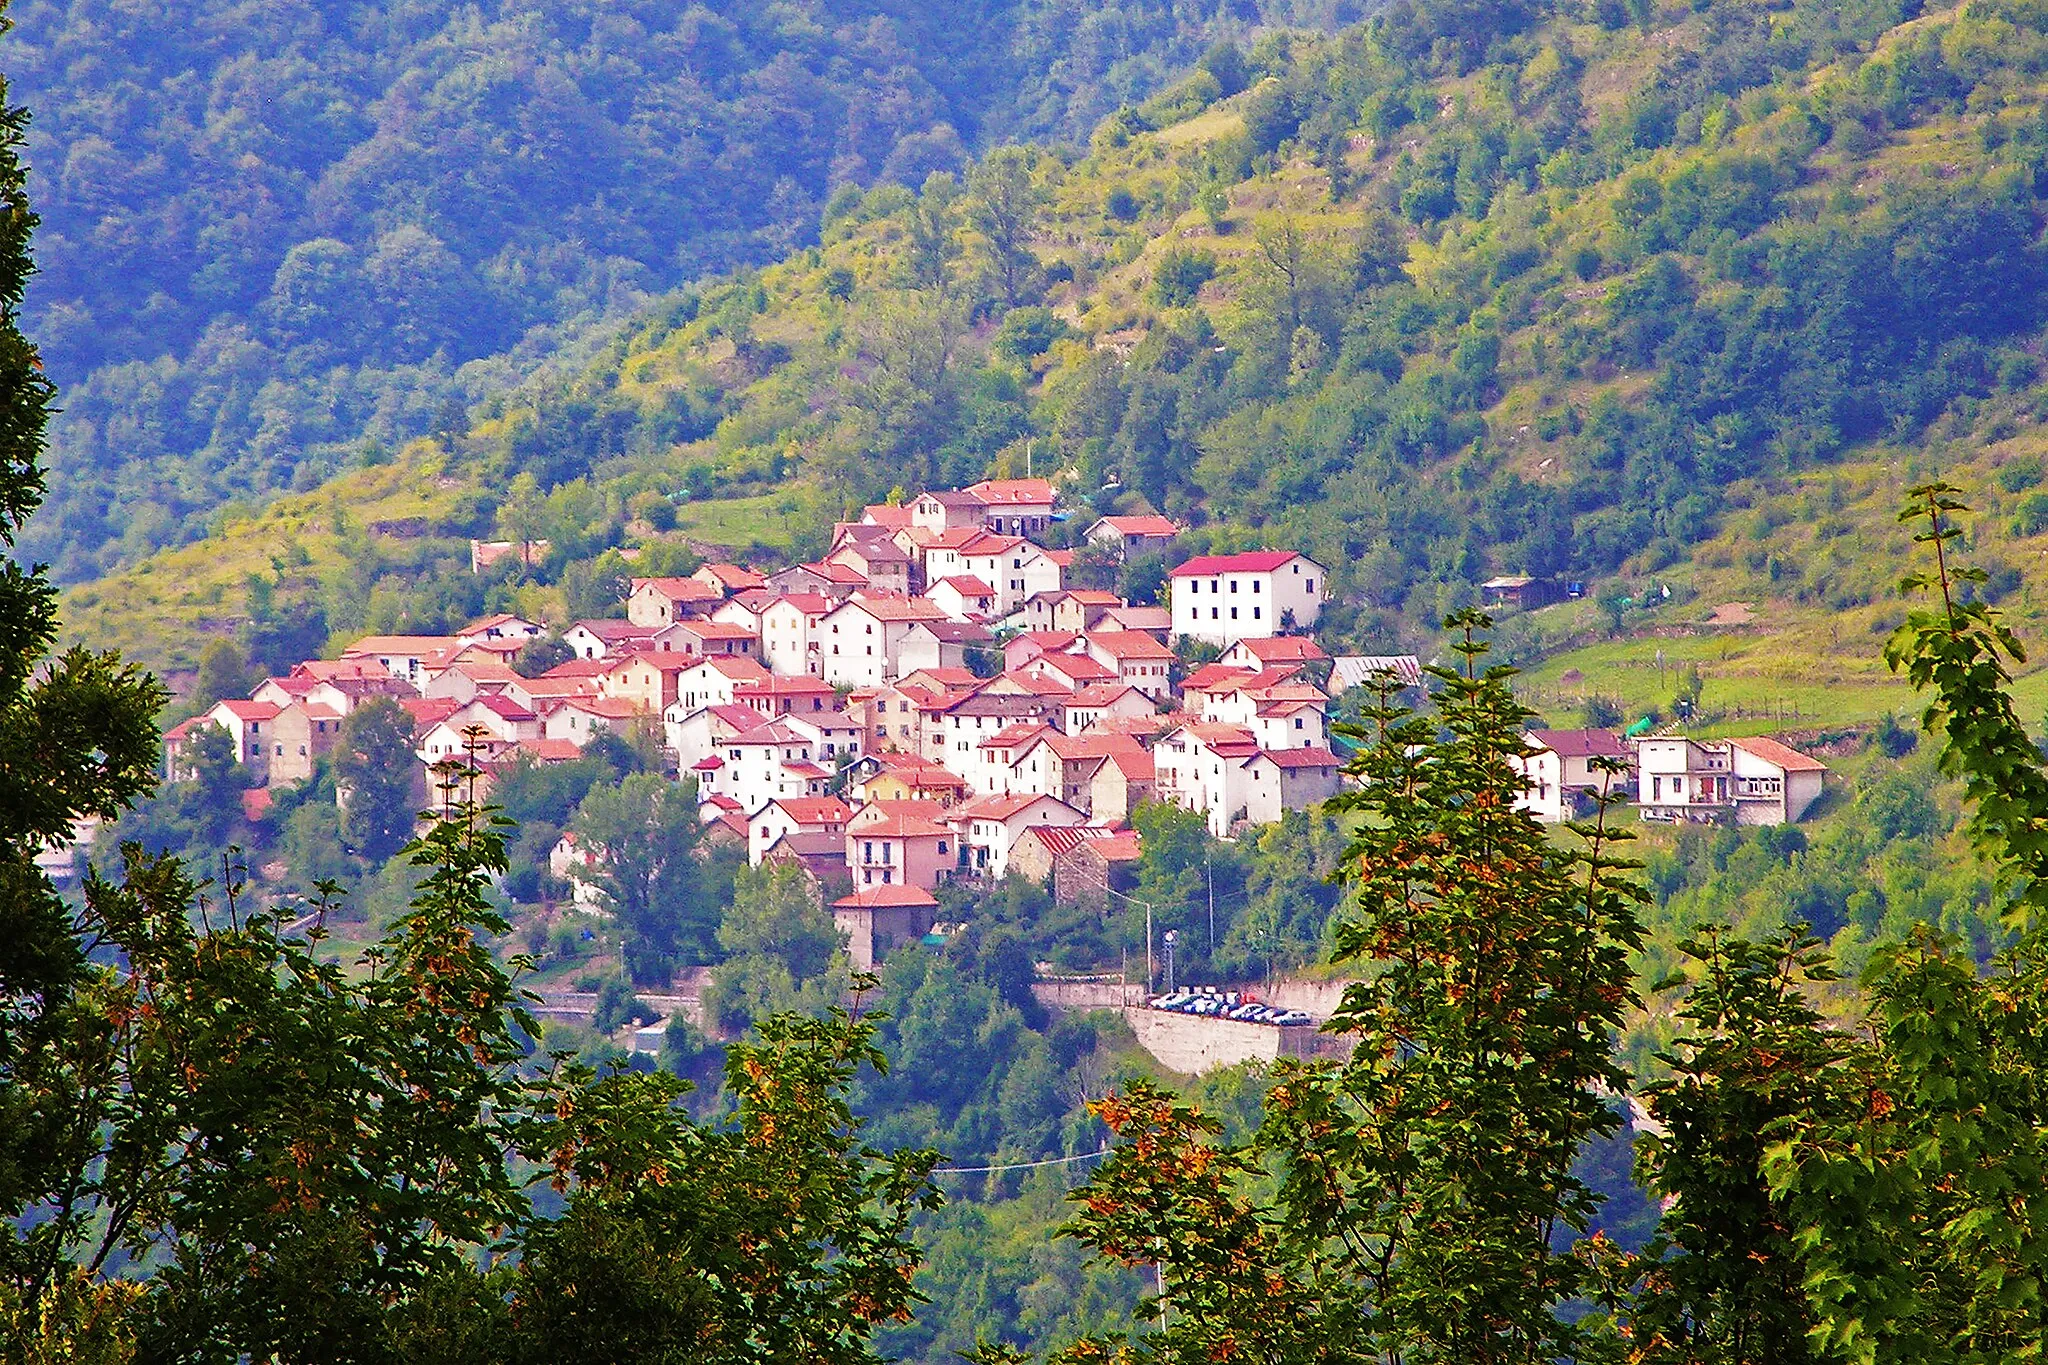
<point x="932" y="700"/>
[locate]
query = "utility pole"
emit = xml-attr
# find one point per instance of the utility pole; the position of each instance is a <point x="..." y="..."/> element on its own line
<point x="1209" y="875"/>
<point x="1148" y="947"/>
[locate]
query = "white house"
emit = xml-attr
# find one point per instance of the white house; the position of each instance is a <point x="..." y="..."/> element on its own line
<point x="570" y="861"/>
<point x="501" y="626"/>
<point x="1012" y="565"/>
<point x="794" y="815"/>
<point x="1220" y="599"/>
<point x="1752" y="781"/>
<point x="402" y="656"/>
<point x="789" y="633"/>
<point x="1019" y="507"/>
<point x="1203" y="768"/>
<point x="858" y="642"/>
<point x="717" y="681"/>
<point x="963" y="597"/>
<point x="1561" y="767"/>
<point x="696" y="734"/>
<point x="1138" y="659"/>
<point x="1280" y="715"/>
<point x="662" y="601"/>
<point x="764" y="764"/>
<point x="1290" y="779"/>
<point x="603" y="638"/>
<point x="1134" y="535"/>
<point x="989" y="827"/>
<point x="582" y="719"/>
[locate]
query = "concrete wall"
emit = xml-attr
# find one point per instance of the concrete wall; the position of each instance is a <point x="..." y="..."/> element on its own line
<point x="1320" y="998"/>
<point x="1073" y="996"/>
<point x="1190" y="1044"/>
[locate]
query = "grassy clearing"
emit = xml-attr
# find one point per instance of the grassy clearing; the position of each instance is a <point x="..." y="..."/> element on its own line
<point x="772" y="519"/>
<point x="161" y="612"/>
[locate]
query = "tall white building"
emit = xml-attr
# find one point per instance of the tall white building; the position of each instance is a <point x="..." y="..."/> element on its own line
<point x="1222" y="599"/>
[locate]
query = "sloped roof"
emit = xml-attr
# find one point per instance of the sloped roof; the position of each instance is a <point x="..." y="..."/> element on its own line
<point x="1065" y="838"/>
<point x="247" y="710"/>
<point x="611" y="630"/>
<point x="735" y="577"/>
<point x="815" y="810"/>
<point x="1143" y="524"/>
<point x="889" y="607"/>
<point x="1354" y="670"/>
<point x="1580" y="743"/>
<point x="809" y="603"/>
<point x="899" y="820"/>
<point x="1012" y="492"/>
<point x="1217" y="678"/>
<point x="1252" y="561"/>
<point x="1784" y="756"/>
<point x="1128" y="644"/>
<point x="887" y="515"/>
<point x="999" y="807"/>
<point x="894" y="895"/>
<point x="1307" y="757"/>
<point x="677" y="589"/>
<point x="713" y="630"/>
<point x="956" y="632"/>
<point x="1282" y="649"/>
<point x="408" y="645"/>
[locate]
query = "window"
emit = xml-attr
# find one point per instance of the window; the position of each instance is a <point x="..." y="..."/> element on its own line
<point x="1311" y="585"/>
<point x="1255" y="613"/>
<point x="1233" y="585"/>
<point x="1233" y="613"/>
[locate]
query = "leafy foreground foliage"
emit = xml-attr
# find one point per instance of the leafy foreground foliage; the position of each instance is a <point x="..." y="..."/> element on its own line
<point x="1869" y="1195"/>
<point x="308" y="1162"/>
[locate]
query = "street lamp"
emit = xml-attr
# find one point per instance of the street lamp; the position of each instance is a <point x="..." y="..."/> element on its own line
<point x="1172" y="937"/>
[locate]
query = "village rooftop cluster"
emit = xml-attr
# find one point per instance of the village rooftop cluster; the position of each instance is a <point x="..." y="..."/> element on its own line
<point x="930" y="700"/>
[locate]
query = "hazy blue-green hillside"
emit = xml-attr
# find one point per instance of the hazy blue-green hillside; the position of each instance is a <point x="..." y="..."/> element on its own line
<point x="276" y="233"/>
<point x="1675" y="298"/>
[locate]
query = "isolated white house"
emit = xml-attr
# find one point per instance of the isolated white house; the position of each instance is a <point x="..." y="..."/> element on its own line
<point x="1752" y="781"/>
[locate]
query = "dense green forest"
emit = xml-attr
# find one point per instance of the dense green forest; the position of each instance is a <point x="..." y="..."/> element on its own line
<point x="1450" y="293"/>
<point x="275" y="234"/>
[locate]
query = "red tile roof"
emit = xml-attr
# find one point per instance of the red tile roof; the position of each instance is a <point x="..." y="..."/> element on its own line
<point x="1784" y="756"/>
<point x="1252" y="561"/>
<point x="892" y="896"/>
<point x="1309" y="757"/>
<point x="815" y="810"/>
<point x="1142" y="525"/>
<point x="1580" y="743"/>
<point x="1012" y="492"/>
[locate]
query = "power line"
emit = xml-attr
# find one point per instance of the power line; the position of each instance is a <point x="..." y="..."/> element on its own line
<point x="1019" y="1165"/>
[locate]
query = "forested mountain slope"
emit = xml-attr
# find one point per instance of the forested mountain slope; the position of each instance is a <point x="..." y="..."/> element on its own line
<point x="1460" y="291"/>
<point x="274" y="232"/>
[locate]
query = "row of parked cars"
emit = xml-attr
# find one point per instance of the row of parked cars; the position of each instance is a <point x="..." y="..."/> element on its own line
<point x="1211" y="1003"/>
